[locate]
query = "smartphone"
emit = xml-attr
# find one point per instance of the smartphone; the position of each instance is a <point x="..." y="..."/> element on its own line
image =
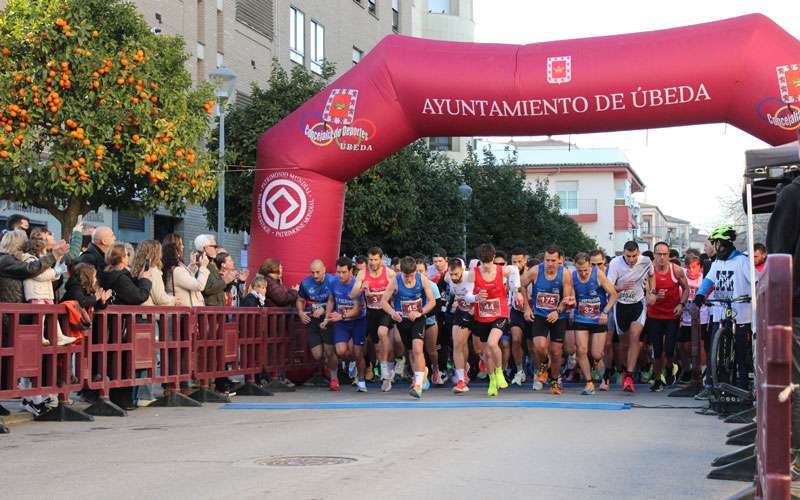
<point x="146" y="265"/>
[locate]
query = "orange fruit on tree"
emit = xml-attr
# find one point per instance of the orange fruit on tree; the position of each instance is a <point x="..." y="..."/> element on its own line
<point x="4" y="154"/>
<point x="135" y="138"/>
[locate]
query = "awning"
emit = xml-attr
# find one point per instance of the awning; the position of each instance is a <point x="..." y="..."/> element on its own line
<point x="766" y="169"/>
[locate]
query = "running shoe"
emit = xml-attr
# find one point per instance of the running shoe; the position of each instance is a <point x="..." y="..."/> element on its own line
<point x="645" y="375"/>
<point x="572" y="361"/>
<point x="361" y="386"/>
<point x="369" y="374"/>
<point x="627" y="383"/>
<point x="542" y="373"/>
<point x="492" y="386"/>
<point x="386" y="386"/>
<point x="658" y="385"/>
<point x="537" y="385"/>
<point x="376" y="372"/>
<point x="555" y="387"/>
<point x="588" y="389"/>
<point x="604" y="385"/>
<point x="416" y="391"/>
<point x="482" y="374"/>
<point x="519" y="378"/>
<point x="460" y="387"/>
<point x="437" y="378"/>
<point x="399" y="369"/>
<point x="426" y="383"/>
<point x="500" y="379"/>
<point x="703" y="395"/>
<point x="671" y="371"/>
<point x="334" y="385"/>
<point x="352" y="370"/>
<point x="481" y="365"/>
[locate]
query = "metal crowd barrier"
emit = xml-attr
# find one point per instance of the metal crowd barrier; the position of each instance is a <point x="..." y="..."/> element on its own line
<point x="136" y="346"/>
<point x="773" y="374"/>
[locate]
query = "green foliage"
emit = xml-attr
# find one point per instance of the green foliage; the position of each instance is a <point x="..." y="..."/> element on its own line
<point x="96" y="110"/>
<point x="245" y="123"/>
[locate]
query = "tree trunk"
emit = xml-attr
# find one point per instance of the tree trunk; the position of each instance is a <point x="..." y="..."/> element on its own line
<point x="68" y="217"/>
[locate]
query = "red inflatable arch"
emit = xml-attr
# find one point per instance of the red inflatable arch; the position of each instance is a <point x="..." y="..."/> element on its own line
<point x="743" y="71"/>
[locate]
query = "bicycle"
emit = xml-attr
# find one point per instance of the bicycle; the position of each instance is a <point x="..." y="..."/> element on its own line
<point x="722" y="358"/>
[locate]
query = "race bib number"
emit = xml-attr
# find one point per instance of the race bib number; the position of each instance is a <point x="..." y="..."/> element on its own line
<point x="463" y="305"/>
<point x="316" y="307"/>
<point x="627" y="295"/>
<point x="692" y="293"/>
<point x="407" y="306"/>
<point x="344" y="309"/>
<point x="547" y="301"/>
<point x="588" y="309"/>
<point x="489" y="308"/>
<point x="373" y="298"/>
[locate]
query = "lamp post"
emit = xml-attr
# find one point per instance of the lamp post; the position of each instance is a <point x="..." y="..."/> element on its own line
<point x="466" y="193"/>
<point x="226" y="83"/>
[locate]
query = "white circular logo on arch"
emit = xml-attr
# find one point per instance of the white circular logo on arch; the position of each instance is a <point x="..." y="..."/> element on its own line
<point x="285" y="205"/>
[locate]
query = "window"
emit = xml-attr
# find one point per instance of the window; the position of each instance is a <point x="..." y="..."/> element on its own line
<point x="130" y="220"/>
<point x="297" y="35"/>
<point x="220" y="60"/>
<point x="372" y="7"/>
<point x="317" y="47"/>
<point x="396" y="15"/>
<point x="201" y="51"/>
<point x="567" y="192"/>
<point x="441" y="143"/>
<point x="357" y="55"/>
<point x="258" y="15"/>
<point x="439" y="6"/>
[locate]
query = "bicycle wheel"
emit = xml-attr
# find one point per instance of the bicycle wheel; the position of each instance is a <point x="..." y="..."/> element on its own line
<point x="723" y="368"/>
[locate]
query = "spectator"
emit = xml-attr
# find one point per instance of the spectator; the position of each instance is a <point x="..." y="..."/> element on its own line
<point x="83" y="288"/>
<point x="148" y="256"/>
<point x="13" y="270"/>
<point x="214" y="291"/>
<point x="185" y="283"/>
<point x="760" y="256"/>
<point x="126" y="290"/>
<point x="39" y="289"/>
<point x="236" y="288"/>
<point x="102" y="239"/>
<point x="74" y="243"/>
<point x="257" y="295"/>
<point x="277" y="294"/>
<point x="18" y="221"/>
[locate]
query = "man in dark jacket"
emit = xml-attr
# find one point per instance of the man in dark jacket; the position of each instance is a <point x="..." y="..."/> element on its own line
<point x="783" y="236"/>
<point x="102" y="239"/>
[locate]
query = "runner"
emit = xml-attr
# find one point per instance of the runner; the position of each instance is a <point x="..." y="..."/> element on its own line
<point x="694" y="276"/>
<point x="663" y="316"/>
<point x="411" y="299"/>
<point x="552" y="296"/>
<point x="613" y="352"/>
<point x="349" y="319"/>
<point x="520" y="327"/>
<point x="372" y="282"/>
<point x="595" y="297"/>
<point x="512" y="286"/>
<point x="312" y="299"/>
<point x="631" y="273"/>
<point x="491" y="313"/>
<point x="432" y="328"/>
<point x="461" y="307"/>
<point x="437" y="273"/>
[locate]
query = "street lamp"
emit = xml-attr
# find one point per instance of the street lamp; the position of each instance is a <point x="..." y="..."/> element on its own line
<point x="226" y="83"/>
<point x="466" y="193"/>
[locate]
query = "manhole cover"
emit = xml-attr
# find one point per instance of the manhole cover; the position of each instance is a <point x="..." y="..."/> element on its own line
<point x="303" y="461"/>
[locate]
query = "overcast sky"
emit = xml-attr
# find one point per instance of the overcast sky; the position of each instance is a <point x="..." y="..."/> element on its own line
<point x="706" y="160"/>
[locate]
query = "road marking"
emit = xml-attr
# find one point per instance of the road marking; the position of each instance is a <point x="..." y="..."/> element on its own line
<point x="467" y="403"/>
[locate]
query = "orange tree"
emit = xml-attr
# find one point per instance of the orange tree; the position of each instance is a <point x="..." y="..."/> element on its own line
<point x="96" y="110"/>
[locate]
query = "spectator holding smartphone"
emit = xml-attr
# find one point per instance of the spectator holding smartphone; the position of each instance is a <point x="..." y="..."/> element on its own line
<point x="185" y="283"/>
<point x="148" y="257"/>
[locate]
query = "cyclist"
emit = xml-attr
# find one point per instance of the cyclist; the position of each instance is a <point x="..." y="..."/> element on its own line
<point x="729" y="277"/>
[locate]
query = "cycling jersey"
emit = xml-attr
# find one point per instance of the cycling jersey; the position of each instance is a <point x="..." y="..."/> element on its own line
<point x="730" y="279"/>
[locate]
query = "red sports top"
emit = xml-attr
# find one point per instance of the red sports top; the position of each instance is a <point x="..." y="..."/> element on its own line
<point x="496" y="304"/>
<point x="374" y="286"/>
<point x="667" y="284"/>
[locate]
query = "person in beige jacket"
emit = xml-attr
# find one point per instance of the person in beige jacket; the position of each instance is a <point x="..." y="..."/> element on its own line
<point x="148" y="255"/>
<point x="185" y="283"/>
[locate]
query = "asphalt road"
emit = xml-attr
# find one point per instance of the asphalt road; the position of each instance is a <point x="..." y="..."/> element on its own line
<point x="406" y="452"/>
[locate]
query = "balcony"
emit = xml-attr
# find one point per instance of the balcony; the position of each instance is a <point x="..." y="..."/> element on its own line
<point x="581" y="210"/>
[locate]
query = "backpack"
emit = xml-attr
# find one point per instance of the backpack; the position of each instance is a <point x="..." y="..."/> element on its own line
<point x="80" y="320"/>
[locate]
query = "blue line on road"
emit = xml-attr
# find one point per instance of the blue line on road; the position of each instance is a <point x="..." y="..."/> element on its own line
<point x="468" y="403"/>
